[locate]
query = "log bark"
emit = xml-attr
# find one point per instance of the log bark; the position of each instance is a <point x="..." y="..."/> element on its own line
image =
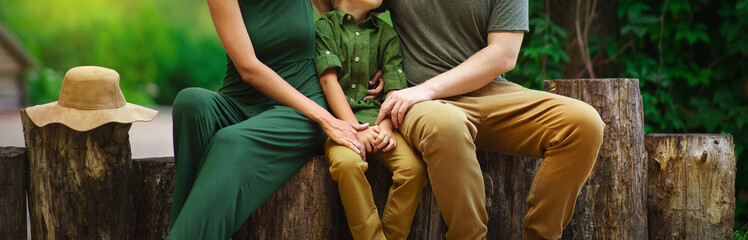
<point x="79" y="182"/>
<point x="13" y="186"/>
<point x="508" y="180"/>
<point x="152" y="193"/>
<point x="306" y="207"/>
<point x="612" y="203"/>
<point x="691" y="186"/>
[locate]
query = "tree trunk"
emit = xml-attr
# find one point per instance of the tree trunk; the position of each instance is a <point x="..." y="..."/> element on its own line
<point x="13" y="186"/>
<point x="691" y="186"/>
<point x="307" y="207"/>
<point x="152" y="193"/>
<point x="602" y="25"/>
<point x="612" y="204"/>
<point x="79" y="182"/>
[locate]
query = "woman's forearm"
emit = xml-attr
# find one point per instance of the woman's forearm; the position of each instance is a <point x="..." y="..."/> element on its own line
<point x="274" y="87"/>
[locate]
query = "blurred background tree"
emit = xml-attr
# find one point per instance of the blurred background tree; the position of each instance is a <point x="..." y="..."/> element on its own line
<point x="690" y="56"/>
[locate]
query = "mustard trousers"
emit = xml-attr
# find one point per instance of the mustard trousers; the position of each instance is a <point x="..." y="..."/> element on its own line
<point x="508" y="118"/>
<point x="408" y="179"/>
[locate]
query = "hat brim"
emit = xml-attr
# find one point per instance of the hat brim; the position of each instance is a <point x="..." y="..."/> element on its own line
<point x="84" y="120"/>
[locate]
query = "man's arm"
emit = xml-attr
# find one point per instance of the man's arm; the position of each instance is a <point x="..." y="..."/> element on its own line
<point x="498" y="57"/>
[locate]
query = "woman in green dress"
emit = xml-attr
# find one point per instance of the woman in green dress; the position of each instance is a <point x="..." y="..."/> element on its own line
<point x="236" y="147"/>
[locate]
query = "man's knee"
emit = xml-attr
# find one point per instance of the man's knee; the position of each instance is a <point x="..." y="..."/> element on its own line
<point x="585" y="122"/>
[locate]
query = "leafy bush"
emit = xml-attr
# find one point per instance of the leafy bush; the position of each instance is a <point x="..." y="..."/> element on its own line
<point x="158" y="47"/>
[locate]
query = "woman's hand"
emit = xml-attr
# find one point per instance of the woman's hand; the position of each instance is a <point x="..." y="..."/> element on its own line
<point x="346" y="134"/>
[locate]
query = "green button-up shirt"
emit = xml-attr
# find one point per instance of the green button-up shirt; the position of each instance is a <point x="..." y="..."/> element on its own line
<point x="358" y="50"/>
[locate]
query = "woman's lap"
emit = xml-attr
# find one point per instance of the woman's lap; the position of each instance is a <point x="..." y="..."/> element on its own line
<point x="242" y="165"/>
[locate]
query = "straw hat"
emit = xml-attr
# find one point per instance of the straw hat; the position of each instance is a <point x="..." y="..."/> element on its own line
<point x="90" y="97"/>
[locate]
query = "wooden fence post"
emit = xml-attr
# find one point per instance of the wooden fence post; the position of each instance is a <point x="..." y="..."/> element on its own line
<point x="79" y="182"/>
<point x="691" y="186"/>
<point x="152" y="193"/>
<point x="306" y="207"/>
<point x="611" y="205"/>
<point x="13" y="186"/>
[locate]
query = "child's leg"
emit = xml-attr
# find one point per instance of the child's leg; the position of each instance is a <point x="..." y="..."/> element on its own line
<point x="408" y="180"/>
<point x="347" y="168"/>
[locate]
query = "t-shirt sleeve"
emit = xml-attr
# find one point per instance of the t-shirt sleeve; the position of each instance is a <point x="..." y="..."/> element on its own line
<point x="327" y="48"/>
<point x="392" y="59"/>
<point x="509" y="15"/>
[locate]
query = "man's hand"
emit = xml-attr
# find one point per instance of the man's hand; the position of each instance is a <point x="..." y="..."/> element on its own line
<point x="398" y="102"/>
<point x="375" y="93"/>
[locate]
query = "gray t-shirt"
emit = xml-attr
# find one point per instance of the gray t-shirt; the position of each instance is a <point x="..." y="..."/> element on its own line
<point x="438" y="35"/>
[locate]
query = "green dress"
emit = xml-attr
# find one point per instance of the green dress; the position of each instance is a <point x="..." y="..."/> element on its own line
<point x="234" y="148"/>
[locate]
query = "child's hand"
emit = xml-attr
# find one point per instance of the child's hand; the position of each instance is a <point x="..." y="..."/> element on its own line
<point x="368" y="137"/>
<point x="386" y="139"/>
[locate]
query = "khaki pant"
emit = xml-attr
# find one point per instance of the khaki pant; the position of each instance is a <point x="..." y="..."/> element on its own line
<point x="408" y="180"/>
<point x="507" y="118"/>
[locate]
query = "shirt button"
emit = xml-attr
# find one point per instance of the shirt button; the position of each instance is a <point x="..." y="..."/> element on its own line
<point x="348" y="17"/>
<point x="357" y="33"/>
<point x="399" y="71"/>
<point x="327" y="52"/>
<point x="353" y="86"/>
<point x="356" y="59"/>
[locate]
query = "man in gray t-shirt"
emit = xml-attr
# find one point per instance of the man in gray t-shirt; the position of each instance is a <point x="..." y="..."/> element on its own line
<point x="453" y="51"/>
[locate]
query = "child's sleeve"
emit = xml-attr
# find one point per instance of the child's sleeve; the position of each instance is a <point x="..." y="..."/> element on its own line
<point x="392" y="58"/>
<point x="327" y="49"/>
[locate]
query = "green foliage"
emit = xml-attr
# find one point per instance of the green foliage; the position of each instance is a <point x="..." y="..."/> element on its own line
<point x="542" y="54"/>
<point x="43" y="85"/>
<point x="158" y="47"/>
<point x="741" y="233"/>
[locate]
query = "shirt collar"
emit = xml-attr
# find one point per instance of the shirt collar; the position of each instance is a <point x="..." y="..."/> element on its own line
<point x="370" y="19"/>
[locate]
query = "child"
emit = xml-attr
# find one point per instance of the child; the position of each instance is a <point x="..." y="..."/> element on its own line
<point x="351" y="46"/>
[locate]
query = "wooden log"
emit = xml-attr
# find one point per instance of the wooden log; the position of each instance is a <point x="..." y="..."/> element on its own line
<point x="691" y="186"/>
<point x="306" y="207"/>
<point x="13" y="186"/>
<point x="152" y="193"/>
<point x="612" y="204"/>
<point x="508" y="180"/>
<point x="79" y="182"/>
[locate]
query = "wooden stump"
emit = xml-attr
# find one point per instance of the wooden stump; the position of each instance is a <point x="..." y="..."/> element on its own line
<point x="152" y="193"/>
<point x="307" y="207"/>
<point x="508" y="180"/>
<point x="13" y="186"/>
<point x="612" y="203"/>
<point x="691" y="186"/>
<point x="79" y="182"/>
